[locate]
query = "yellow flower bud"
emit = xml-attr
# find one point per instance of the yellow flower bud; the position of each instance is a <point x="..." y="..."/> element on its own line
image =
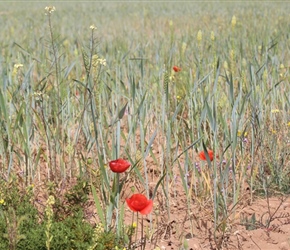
<point x="275" y="111"/>
<point x="199" y="36"/>
<point x="212" y="37"/>
<point x="234" y="21"/>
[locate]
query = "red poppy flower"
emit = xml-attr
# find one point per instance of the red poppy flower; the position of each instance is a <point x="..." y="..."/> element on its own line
<point x="139" y="203"/>
<point x="176" y="68"/>
<point x="119" y="165"/>
<point x="203" y="157"/>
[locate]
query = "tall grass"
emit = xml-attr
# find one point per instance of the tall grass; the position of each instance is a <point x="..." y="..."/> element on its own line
<point x="62" y="116"/>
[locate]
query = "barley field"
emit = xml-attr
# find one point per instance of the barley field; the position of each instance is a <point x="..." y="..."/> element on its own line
<point x="144" y="125"/>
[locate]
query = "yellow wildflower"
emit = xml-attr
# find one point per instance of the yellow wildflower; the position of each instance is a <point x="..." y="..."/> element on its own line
<point x="98" y="61"/>
<point x="234" y="21"/>
<point x="18" y="65"/>
<point x="212" y="37"/>
<point x="16" y="68"/>
<point x="275" y="111"/>
<point x="66" y="43"/>
<point x="102" y="61"/>
<point x="2" y="202"/>
<point x="232" y="54"/>
<point x="199" y="36"/>
<point x="265" y="75"/>
<point x="240" y="133"/>
<point x="95" y="61"/>
<point x="50" y="200"/>
<point x="244" y="62"/>
<point x="226" y="66"/>
<point x="282" y="70"/>
<point x="49" y="9"/>
<point x="134" y="225"/>
<point x="93" y="27"/>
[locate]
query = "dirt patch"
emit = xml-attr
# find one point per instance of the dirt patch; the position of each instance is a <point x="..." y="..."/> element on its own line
<point x="191" y="231"/>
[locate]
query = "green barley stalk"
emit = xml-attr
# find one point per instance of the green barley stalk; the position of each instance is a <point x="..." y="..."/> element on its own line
<point x="56" y="107"/>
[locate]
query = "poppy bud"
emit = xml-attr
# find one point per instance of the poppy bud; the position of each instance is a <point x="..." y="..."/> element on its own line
<point x="176" y="69"/>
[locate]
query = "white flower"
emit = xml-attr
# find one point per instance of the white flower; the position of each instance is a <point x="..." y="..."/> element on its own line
<point x="93" y="27"/>
<point x="49" y="9"/>
<point x="102" y="61"/>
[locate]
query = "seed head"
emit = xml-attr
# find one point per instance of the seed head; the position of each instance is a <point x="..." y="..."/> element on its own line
<point x="212" y="37"/>
<point x="199" y="36"/>
<point x="234" y="21"/>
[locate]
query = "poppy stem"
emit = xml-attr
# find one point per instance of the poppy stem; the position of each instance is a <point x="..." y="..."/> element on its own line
<point x="118" y="184"/>
<point x="131" y="231"/>
<point x="117" y="196"/>
<point x="137" y="227"/>
<point x="142" y="246"/>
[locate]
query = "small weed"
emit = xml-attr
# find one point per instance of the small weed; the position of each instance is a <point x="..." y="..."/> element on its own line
<point x="22" y="227"/>
<point x="250" y="222"/>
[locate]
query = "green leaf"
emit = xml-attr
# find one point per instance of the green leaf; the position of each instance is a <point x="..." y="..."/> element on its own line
<point x="157" y="185"/>
<point x="122" y="111"/>
<point x="98" y="206"/>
